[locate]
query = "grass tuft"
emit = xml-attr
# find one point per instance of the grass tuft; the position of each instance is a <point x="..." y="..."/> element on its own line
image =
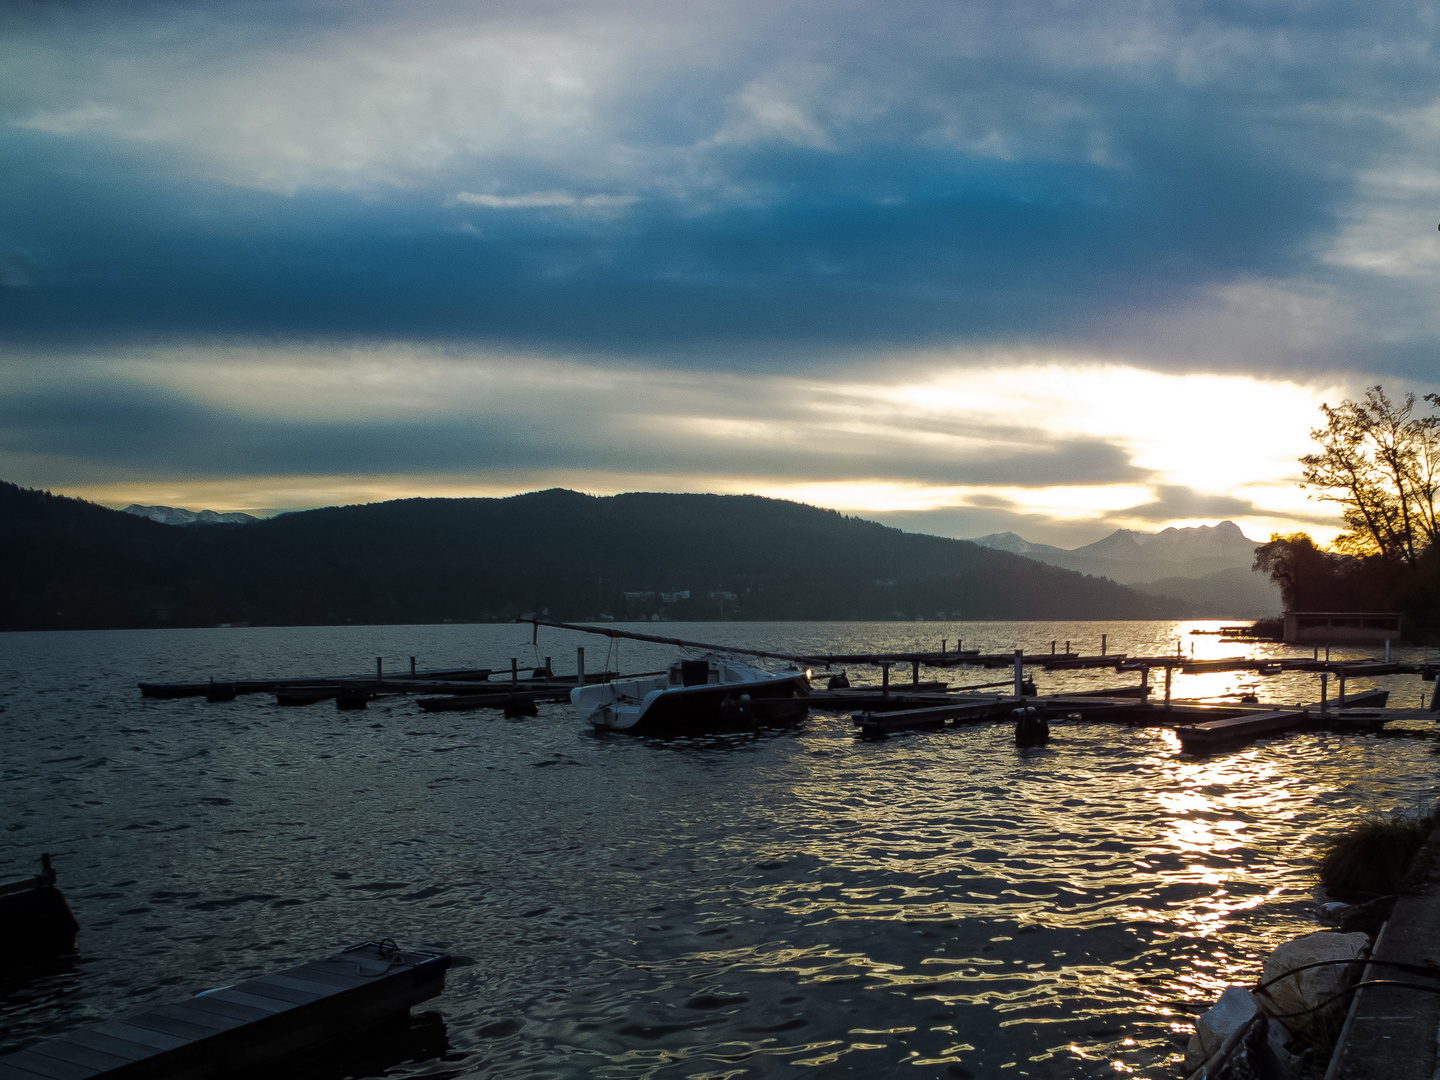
<point x="1373" y="855"/>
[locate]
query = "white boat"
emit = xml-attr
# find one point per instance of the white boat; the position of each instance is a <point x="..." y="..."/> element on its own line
<point x="711" y="693"/>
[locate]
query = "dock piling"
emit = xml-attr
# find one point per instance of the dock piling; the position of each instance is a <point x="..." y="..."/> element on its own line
<point x="514" y="670"/>
<point x="1169" y="671"/>
<point x="1019" y="673"/>
<point x="915" y="673"/>
<point x="1052" y="648"/>
<point x="412" y="667"/>
<point x="379" y="669"/>
<point x="1102" y="643"/>
<point x="1324" y="693"/>
<point x="885" y="679"/>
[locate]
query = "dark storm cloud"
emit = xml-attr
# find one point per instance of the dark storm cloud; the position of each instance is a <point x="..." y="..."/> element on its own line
<point x="939" y="175"/>
<point x="124" y="255"/>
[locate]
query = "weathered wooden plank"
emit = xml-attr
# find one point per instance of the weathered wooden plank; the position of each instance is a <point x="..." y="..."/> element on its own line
<point x="49" y="1067"/>
<point x="267" y="1004"/>
<point x="246" y="1013"/>
<point x="158" y="1040"/>
<point x="111" y="1045"/>
<point x="86" y="1057"/>
<point x="12" y="1067"/>
<point x="167" y="1025"/>
<point x="10" y="1070"/>
<point x="187" y="1012"/>
<point x="269" y="987"/>
<point x="305" y="986"/>
<point x="329" y="971"/>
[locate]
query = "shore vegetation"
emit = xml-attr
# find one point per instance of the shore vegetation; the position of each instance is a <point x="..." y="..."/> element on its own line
<point x="1378" y="460"/>
<point x="1373" y="855"/>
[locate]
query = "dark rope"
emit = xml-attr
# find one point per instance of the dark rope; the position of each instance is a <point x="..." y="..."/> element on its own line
<point x="1350" y="989"/>
<point x="1413" y="969"/>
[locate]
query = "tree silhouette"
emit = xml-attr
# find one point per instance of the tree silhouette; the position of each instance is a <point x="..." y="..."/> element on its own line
<point x="1379" y="462"/>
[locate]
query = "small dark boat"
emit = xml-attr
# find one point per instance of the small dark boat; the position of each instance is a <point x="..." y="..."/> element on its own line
<point x="36" y="920"/>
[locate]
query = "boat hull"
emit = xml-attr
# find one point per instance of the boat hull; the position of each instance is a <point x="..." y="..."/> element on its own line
<point x="657" y="708"/>
<point x="781" y="702"/>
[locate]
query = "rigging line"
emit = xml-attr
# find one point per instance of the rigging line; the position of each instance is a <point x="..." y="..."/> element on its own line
<point x="683" y="643"/>
<point x="1413" y="969"/>
<point x="1351" y="989"/>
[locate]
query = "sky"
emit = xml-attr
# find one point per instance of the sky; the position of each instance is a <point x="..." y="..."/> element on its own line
<point x="963" y="267"/>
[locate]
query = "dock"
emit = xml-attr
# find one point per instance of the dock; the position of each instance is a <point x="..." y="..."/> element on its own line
<point x="469" y="687"/>
<point x="913" y="704"/>
<point x="247" y="1026"/>
<point x="1257" y="722"/>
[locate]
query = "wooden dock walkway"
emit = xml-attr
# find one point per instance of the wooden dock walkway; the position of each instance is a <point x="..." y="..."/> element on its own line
<point x="246" y="1026"/>
<point x="1257" y="722"/>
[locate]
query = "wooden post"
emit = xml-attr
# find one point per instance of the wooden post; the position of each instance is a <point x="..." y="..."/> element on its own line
<point x="1067" y="648"/>
<point x="1052" y="648"/>
<point x="514" y="670"/>
<point x="1019" y="673"/>
<point x="885" y="679"/>
<point x="915" y="674"/>
<point x="1340" y="694"/>
<point x="1102" y="643"/>
<point x="379" y="669"/>
<point x="412" y="667"/>
<point x="1387" y="650"/>
<point x="549" y="671"/>
<point x="580" y="666"/>
<point x="1324" y="693"/>
<point x="1144" y="685"/>
<point x="1435" y="696"/>
<point x="1169" y="671"/>
<point x="942" y="646"/>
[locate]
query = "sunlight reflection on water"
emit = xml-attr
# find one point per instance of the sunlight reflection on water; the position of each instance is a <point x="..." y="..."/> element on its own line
<point x="798" y="904"/>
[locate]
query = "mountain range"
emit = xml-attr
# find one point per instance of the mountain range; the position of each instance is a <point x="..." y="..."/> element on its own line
<point x="171" y="515"/>
<point x="73" y="564"/>
<point x="1209" y="565"/>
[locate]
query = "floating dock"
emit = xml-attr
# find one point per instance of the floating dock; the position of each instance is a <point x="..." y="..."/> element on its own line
<point x="247" y="1026"/>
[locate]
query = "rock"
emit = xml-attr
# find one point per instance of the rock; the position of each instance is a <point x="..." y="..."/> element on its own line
<point x="1309" y="993"/>
<point x="1235" y="1007"/>
<point x="1260" y="1051"/>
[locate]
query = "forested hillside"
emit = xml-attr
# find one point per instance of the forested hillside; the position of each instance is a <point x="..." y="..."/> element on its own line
<point x="75" y="564"/>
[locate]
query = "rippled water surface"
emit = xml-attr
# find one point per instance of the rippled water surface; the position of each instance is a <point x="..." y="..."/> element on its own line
<point x="797" y="904"/>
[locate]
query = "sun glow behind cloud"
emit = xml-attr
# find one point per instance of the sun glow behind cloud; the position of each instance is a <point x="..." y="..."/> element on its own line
<point x="1070" y="446"/>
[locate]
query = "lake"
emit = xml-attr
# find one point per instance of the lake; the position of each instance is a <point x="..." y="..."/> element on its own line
<point x="799" y="904"/>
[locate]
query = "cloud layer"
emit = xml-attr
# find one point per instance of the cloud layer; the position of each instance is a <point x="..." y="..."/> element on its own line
<point x="696" y="203"/>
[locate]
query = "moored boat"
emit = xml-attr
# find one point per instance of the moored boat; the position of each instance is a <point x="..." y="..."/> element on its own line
<point x="36" y="919"/>
<point x="711" y="693"/>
